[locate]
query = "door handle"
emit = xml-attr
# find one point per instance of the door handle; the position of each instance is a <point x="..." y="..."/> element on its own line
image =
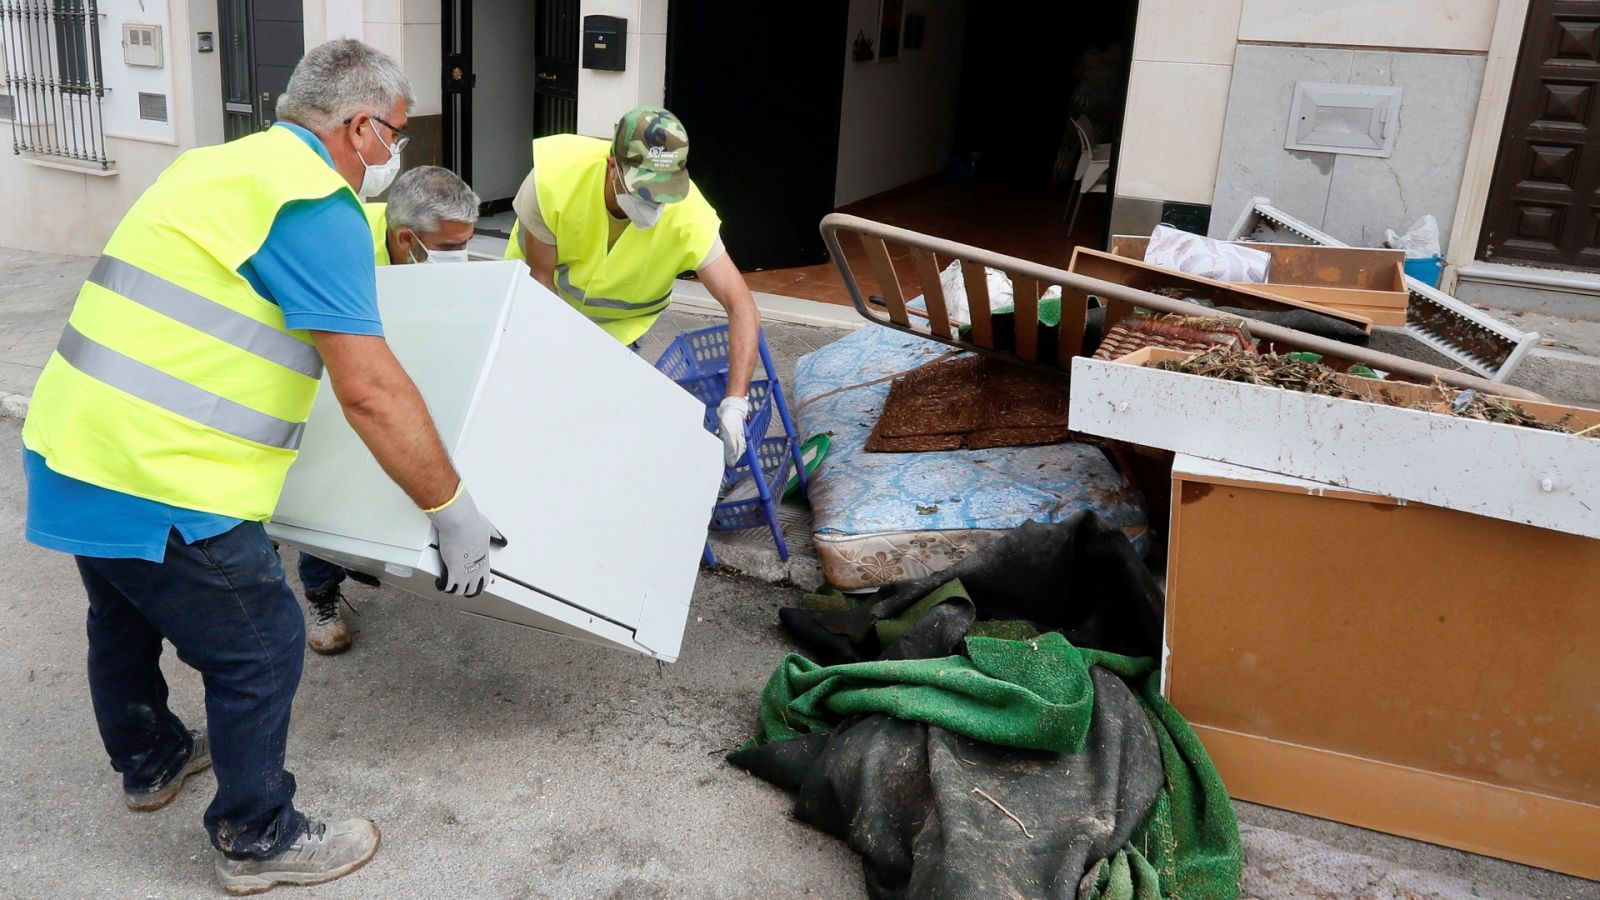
<point x="266" y="104"/>
<point x="545" y="76"/>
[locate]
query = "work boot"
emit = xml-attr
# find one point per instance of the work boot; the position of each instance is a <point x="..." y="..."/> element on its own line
<point x="199" y="760"/>
<point x="327" y="633"/>
<point x="323" y="852"/>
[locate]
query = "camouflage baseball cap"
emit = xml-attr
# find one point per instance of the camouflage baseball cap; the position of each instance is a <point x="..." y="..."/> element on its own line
<point x="652" y="150"/>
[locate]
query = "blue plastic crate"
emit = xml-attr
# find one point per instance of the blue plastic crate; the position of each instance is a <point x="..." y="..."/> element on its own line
<point x="696" y="354"/>
<point x="740" y="506"/>
<point x="1426" y="269"/>
<point x="698" y="362"/>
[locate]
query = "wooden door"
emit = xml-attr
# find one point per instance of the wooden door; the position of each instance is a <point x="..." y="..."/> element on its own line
<point x="1544" y="200"/>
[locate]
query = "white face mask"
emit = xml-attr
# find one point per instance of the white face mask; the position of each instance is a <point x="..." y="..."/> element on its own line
<point x="447" y="256"/>
<point x="438" y="256"/>
<point x="642" y="213"/>
<point x="376" y="179"/>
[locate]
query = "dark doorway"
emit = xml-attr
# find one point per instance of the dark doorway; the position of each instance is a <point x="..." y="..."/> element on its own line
<point x="966" y="134"/>
<point x="1544" y="197"/>
<point x="758" y="88"/>
<point x="262" y="40"/>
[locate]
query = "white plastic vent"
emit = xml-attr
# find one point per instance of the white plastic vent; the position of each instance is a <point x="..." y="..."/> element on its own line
<point x="1362" y="119"/>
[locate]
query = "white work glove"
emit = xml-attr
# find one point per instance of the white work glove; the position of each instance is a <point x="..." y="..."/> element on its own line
<point x="464" y="539"/>
<point x="731" y="413"/>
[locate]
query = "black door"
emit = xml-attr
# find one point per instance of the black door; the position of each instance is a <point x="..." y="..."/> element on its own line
<point x="456" y="86"/>
<point x="262" y="41"/>
<point x="555" y="60"/>
<point x="758" y="87"/>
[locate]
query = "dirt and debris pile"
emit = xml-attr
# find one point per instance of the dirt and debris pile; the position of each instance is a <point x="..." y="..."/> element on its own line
<point x="1296" y="372"/>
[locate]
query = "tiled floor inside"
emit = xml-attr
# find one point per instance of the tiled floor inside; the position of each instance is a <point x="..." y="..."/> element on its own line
<point x="1026" y="222"/>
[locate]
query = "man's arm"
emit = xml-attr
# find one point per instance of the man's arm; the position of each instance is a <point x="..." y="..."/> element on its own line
<point x="383" y="406"/>
<point x="721" y="277"/>
<point x="541" y="259"/>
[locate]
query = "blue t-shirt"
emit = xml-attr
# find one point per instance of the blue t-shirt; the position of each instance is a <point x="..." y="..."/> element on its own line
<point x="316" y="264"/>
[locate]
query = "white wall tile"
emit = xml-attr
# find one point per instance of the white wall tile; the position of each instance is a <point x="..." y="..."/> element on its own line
<point x="386" y="36"/>
<point x="1187" y="31"/>
<point x="390" y="11"/>
<point x="1253" y="161"/>
<point x="422" y="62"/>
<point x="652" y="17"/>
<point x="422" y="12"/>
<point x="1423" y="175"/>
<point x="1420" y="24"/>
<point x="1172" y="132"/>
<point x="652" y="57"/>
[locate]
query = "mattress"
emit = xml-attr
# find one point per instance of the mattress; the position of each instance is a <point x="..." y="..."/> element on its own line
<point x="888" y="517"/>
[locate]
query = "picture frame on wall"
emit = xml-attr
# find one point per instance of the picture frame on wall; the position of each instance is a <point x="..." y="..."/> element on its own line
<point x="889" y="14"/>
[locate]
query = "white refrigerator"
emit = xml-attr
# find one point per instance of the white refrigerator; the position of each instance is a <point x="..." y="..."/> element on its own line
<point x="596" y="467"/>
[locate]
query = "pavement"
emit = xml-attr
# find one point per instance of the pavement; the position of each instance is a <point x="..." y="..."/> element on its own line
<point x="502" y="762"/>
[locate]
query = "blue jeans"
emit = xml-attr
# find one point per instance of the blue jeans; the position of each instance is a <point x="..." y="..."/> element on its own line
<point x="317" y="575"/>
<point x="224" y="605"/>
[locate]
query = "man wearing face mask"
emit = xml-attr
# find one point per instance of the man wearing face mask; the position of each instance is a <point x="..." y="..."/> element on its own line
<point x="162" y="427"/>
<point x="429" y="218"/>
<point x="609" y="225"/>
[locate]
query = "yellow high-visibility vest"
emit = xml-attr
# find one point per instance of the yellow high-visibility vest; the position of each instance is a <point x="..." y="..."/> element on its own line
<point x="626" y="287"/>
<point x="378" y="221"/>
<point x="174" y="380"/>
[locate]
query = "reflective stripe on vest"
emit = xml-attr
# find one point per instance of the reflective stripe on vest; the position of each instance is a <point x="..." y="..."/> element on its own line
<point x="183" y="305"/>
<point x="175" y="380"/>
<point x="563" y="275"/>
<point x="157" y="388"/>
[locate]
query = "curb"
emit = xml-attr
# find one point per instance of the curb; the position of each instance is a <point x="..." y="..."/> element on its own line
<point x="13" y="406"/>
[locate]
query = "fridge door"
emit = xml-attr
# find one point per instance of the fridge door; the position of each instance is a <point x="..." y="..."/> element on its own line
<point x="595" y="466"/>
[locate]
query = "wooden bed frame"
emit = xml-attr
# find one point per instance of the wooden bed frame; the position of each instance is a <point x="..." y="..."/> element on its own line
<point x="927" y="255"/>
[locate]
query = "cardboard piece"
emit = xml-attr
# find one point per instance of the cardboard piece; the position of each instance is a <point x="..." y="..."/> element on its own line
<point x="596" y="467"/>
<point x="1366" y="281"/>
<point x="1395" y="666"/>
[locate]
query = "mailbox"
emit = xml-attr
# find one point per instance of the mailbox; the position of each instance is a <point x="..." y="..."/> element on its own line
<point x="605" y="43"/>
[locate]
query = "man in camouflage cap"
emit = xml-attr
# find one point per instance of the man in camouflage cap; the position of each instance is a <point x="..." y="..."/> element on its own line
<point x="609" y="225"/>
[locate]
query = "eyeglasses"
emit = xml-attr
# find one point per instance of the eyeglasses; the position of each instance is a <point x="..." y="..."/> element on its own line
<point x="401" y="137"/>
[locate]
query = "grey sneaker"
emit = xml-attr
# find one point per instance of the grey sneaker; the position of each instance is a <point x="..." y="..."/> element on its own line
<point x="199" y="761"/>
<point x="323" y="852"/>
<point x="327" y="633"/>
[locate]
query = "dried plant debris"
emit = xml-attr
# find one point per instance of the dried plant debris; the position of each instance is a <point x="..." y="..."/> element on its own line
<point x="1310" y="377"/>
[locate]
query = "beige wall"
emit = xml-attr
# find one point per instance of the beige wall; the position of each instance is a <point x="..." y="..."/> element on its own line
<point x="59" y="211"/>
<point x="1183" y="59"/>
<point x="1177" y="95"/>
<point x="604" y="96"/>
<point x="1400" y="24"/>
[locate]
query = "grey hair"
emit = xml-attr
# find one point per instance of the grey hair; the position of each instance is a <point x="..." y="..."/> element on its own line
<point x="423" y="197"/>
<point x="342" y="79"/>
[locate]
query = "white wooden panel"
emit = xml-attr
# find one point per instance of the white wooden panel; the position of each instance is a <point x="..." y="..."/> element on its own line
<point x="596" y="467"/>
<point x="1503" y="471"/>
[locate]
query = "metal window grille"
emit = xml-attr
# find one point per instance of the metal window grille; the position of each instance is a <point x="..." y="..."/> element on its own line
<point x="52" y="69"/>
